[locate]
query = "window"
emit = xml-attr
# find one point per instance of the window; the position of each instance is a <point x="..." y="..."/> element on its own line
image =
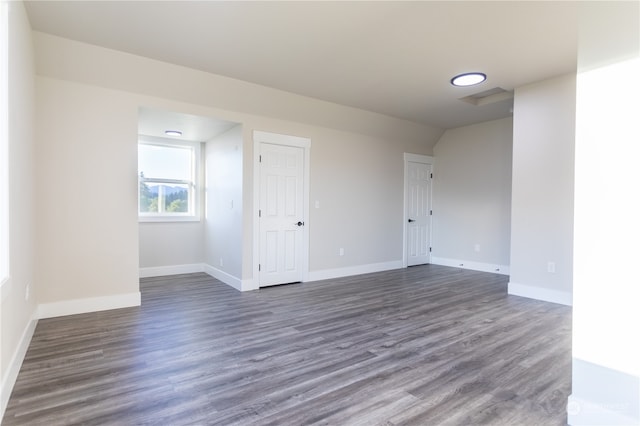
<point x="168" y="180"/>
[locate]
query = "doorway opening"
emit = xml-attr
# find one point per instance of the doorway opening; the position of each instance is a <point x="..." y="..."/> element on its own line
<point x="189" y="195"/>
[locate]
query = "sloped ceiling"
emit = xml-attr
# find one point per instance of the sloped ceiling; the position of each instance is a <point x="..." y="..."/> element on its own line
<point x="394" y="58"/>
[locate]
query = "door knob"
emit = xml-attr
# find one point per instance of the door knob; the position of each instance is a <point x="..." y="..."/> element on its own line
<point x="299" y="223"/>
<point x="411" y="220"/>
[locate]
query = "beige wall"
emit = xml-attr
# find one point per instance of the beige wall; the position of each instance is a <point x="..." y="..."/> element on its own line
<point x="542" y="189"/>
<point x="17" y="313"/>
<point x="472" y="196"/>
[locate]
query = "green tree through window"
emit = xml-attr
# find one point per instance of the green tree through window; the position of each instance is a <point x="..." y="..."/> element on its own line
<point x="167" y="178"/>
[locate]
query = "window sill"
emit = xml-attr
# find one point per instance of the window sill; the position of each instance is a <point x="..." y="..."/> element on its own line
<point x="159" y="219"/>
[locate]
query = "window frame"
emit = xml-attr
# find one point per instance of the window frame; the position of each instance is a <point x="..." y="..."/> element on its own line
<point x="194" y="184"/>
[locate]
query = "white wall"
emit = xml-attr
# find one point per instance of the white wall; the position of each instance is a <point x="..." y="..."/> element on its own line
<point x="606" y="291"/>
<point x="542" y="189"/>
<point x="365" y="206"/>
<point x="17" y="315"/>
<point x="87" y="195"/>
<point x="358" y="182"/>
<point x="165" y="247"/>
<point x="224" y="203"/>
<point x="472" y="196"/>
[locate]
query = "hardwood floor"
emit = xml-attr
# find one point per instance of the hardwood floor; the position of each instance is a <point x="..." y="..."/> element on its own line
<point x="426" y="345"/>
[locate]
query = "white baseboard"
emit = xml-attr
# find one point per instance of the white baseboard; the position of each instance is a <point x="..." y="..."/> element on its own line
<point x="474" y="266"/>
<point x="13" y="369"/>
<point x="228" y="279"/>
<point x="91" y="304"/>
<point x="540" y="293"/>
<point x="327" y="274"/>
<point x="161" y="271"/>
<point x="602" y="396"/>
<point x="583" y="412"/>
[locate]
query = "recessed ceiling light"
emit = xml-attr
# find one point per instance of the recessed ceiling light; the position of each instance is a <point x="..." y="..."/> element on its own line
<point x="173" y="132"/>
<point x="468" y="79"/>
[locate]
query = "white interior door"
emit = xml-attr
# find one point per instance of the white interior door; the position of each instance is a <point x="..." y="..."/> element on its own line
<point x="281" y="214"/>
<point x="418" y="212"/>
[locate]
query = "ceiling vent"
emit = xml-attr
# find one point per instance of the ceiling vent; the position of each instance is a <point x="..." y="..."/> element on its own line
<point x="490" y="96"/>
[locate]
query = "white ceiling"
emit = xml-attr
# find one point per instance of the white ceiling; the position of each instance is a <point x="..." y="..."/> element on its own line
<point x="391" y="57"/>
<point x="154" y="122"/>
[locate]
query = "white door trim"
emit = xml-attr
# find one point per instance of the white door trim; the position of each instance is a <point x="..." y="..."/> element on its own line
<point x="414" y="158"/>
<point x="286" y="140"/>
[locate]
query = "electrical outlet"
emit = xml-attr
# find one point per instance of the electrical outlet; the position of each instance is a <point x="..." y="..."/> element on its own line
<point x="551" y="267"/>
<point x="221" y="262"/>
<point x="341" y="252"/>
<point x="27" y="292"/>
<point x="476" y="247"/>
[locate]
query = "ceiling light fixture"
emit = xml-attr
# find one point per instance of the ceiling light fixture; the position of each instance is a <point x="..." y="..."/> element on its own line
<point x="468" y="79"/>
<point x="173" y="132"/>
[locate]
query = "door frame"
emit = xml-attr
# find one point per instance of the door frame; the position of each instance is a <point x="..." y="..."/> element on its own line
<point x="260" y="137"/>
<point x="414" y="158"/>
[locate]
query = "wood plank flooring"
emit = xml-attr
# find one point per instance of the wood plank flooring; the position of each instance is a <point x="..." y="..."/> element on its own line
<point x="427" y="345"/>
